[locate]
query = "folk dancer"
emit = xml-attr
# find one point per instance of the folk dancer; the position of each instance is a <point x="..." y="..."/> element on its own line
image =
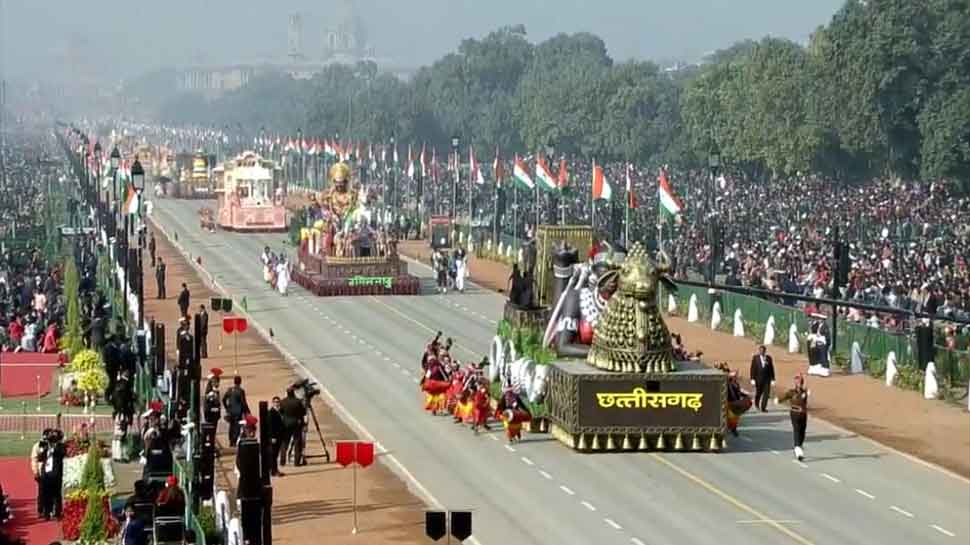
<point x="435" y="385"/>
<point x="481" y="407"/>
<point x="266" y="258"/>
<point x="513" y="412"/>
<point x="738" y="403"/>
<point x="460" y="260"/>
<point x="282" y="276"/>
<point x="798" y="409"/>
<point x="455" y="391"/>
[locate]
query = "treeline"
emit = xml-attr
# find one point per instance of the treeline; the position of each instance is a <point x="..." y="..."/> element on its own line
<point x="883" y="89"/>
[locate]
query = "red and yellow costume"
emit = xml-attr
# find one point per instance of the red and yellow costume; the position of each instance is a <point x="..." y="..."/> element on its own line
<point x="435" y="385"/>
<point x="737" y="404"/>
<point x="513" y="413"/>
<point x="481" y="407"/>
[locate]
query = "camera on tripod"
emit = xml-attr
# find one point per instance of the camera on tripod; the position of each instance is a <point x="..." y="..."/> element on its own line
<point x="306" y="389"/>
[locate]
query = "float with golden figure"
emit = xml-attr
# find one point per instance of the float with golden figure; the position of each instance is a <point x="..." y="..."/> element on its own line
<point x="344" y="250"/>
<point x="595" y="365"/>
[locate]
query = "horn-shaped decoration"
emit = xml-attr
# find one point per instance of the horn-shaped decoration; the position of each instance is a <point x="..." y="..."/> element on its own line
<point x="643" y="442"/>
<point x="715" y="444"/>
<point x="596" y="442"/>
<point x="724" y="442"/>
<point x="543" y="425"/>
<point x="661" y="445"/>
<point x="679" y="443"/>
<point x="626" y="442"/>
<point x="581" y="443"/>
<point x="695" y="443"/>
<point x="610" y="445"/>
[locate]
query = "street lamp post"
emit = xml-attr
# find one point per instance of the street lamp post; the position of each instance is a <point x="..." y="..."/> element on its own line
<point x="714" y="162"/>
<point x="138" y="181"/>
<point x="455" y="142"/>
<point x="299" y="146"/>
<point x="97" y="187"/>
<point x="391" y="201"/>
<point x="550" y="153"/>
<point x="115" y="162"/>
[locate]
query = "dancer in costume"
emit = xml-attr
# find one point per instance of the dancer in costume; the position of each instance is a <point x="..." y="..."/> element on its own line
<point x="798" y="409"/>
<point x="738" y="402"/>
<point x="282" y="276"/>
<point x="513" y="412"/>
<point x="481" y="407"/>
<point x="435" y="385"/>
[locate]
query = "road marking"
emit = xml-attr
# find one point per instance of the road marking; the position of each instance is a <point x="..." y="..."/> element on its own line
<point x="419" y="324"/>
<point x="801" y="464"/>
<point x="415" y="379"/>
<point x="493" y="322"/>
<point x="546" y="475"/>
<point x="405" y="372"/>
<point x="943" y="531"/>
<point x="509" y="448"/>
<point x="831" y="478"/>
<point x="528" y="462"/>
<point x="566" y="489"/>
<point x="613" y="523"/>
<point x="746" y="439"/>
<point x="493" y="437"/>
<point x="864" y="493"/>
<point x="775" y="452"/>
<point x="387" y="358"/>
<point x="731" y="499"/>
<point x="776" y="521"/>
<point x="636" y="541"/>
<point x="396" y="364"/>
<point x="901" y="511"/>
<point x="588" y="505"/>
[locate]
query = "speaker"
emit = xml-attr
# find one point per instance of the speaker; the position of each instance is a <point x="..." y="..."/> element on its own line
<point x="248" y="461"/>
<point x="925" y="351"/>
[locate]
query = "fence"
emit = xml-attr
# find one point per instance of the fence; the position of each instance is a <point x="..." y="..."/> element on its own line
<point x="876" y="344"/>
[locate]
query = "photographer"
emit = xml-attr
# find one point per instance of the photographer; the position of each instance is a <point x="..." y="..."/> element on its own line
<point x="293" y="411"/>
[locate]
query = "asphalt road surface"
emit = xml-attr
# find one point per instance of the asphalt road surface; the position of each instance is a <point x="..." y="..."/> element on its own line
<point x="366" y="351"/>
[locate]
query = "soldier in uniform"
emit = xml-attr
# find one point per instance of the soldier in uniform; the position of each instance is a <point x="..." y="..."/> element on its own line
<point x="212" y="404"/>
<point x="798" y="410"/>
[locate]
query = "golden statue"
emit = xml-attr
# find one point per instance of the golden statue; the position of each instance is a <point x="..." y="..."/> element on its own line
<point x="632" y="336"/>
<point x="339" y="200"/>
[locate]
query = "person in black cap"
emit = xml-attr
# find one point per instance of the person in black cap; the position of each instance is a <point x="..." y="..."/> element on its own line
<point x="293" y="412"/>
<point x="234" y="401"/>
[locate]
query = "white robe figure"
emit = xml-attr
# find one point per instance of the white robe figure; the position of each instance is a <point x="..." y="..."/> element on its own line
<point x="716" y="315"/>
<point x="793" y="339"/>
<point x="856" y="357"/>
<point x="692" y="309"/>
<point x="671" y="304"/>
<point x="930" y="387"/>
<point x="891" y="370"/>
<point x="282" y="277"/>
<point x="461" y="272"/>
<point x="738" y="324"/>
<point x="769" y="332"/>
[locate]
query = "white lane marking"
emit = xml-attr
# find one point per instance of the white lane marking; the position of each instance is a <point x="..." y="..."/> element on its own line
<point x="387" y="358"/>
<point x="802" y="465"/>
<point x="831" y="478"/>
<point x="864" y="493"/>
<point x="775" y="452"/>
<point x="405" y="372"/>
<point x="378" y="352"/>
<point x="493" y="437"/>
<point x="636" y="541"/>
<point x="493" y="322"/>
<point x="746" y="439"/>
<point x="509" y="448"/>
<point x="396" y="365"/>
<point x="613" y="523"/>
<point x="943" y="531"/>
<point x="546" y="475"/>
<point x="566" y="489"/>
<point x="588" y="505"/>
<point x="768" y="521"/>
<point x="527" y="461"/>
<point x="901" y="511"/>
<point x="415" y="379"/>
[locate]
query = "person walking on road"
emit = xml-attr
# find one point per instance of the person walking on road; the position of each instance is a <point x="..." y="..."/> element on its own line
<point x="234" y="401"/>
<point x="183" y="300"/>
<point x="762" y="377"/>
<point x="160" y="278"/>
<point x="797" y="398"/>
<point x="152" y="248"/>
<point x="203" y="318"/>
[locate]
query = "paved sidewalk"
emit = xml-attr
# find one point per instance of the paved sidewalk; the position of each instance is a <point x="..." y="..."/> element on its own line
<point x="929" y="430"/>
<point x="312" y="504"/>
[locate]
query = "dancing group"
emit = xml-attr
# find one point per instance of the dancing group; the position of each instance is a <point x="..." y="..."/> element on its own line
<point x="463" y="392"/>
<point x="276" y="270"/>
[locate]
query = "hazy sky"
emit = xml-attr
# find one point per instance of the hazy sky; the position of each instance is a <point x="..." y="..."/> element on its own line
<point x="122" y="38"/>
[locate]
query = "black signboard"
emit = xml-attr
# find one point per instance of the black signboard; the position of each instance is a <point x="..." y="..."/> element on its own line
<point x="644" y="403"/>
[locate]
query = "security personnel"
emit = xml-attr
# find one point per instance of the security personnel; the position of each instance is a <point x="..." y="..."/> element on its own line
<point x="234" y="401"/>
<point x="186" y="357"/>
<point x="294" y="415"/>
<point x="203" y="319"/>
<point x="212" y="406"/>
<point x="160" y="278"/>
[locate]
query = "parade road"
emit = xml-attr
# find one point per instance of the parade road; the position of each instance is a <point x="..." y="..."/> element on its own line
<point x="366" y="351"/>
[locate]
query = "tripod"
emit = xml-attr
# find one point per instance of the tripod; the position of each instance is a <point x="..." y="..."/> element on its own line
<point x="303" y="439"/>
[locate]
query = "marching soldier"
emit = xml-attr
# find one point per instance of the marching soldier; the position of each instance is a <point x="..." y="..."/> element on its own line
<point x="203" y="318"/>
<point x="798" y="401"/>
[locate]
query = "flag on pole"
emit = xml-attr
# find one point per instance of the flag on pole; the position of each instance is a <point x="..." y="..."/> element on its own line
<point x="410" y="163"/>
<point x="424" y="163"/>
<point x="563" y="175"/>
<point x="669" y="202"/>
<point x="498" y="171"/>
<point x="131" y="202"/>
<point x="601" y="186"/>
<point x="631" y="199"/>
<point x="546" y="181"/>
<point x="474" y="171"/>
<point x="395" y="153"/>
<point x="434" y="164"/>
<point x="373" y="158"/>
<point x="521" y="175"/>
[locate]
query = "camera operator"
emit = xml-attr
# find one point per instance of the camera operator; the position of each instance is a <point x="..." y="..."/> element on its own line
<point x="294" y="412"/>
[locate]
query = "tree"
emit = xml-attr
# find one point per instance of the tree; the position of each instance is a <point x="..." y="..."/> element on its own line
<point x="73" y="340"/>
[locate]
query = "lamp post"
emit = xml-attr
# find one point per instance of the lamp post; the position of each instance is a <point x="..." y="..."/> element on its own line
<point x="138" y="181"/>
<point x="550" y="153"/>
<point x="299" y="146"/>
<point x="455" y="142"/>
<point x="115" y="162"/>
<point x="393" y="179"/>
<point x="714" y="162"/>
<point x="97" y="185"/>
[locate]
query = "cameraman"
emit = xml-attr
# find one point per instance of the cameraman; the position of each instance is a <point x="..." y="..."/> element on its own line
<point x="51" y="458"/>
<point x="293" y="411"/>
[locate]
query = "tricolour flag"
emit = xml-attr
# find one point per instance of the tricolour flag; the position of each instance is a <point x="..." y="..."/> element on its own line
<point x="563" y="175"/>
<point x="498" y="171"/>
<point x="631" y="199"/>
<point x="546" y="181"/>
<point x="410" y="163"/>
<point x="668" y="199"/>
<point x="521" y="175"/>
<point x="601" y="186"/>
<point x="131" y="202"/>
<point x="474" y="172"/>
<point x="424" y="163"/>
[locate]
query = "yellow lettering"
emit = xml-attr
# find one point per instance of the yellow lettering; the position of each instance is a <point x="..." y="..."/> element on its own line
<point x="640" y="399"/>
<point x="607" y="400"/>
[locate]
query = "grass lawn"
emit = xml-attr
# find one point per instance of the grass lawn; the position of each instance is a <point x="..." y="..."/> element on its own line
<point x="11" y="445"/>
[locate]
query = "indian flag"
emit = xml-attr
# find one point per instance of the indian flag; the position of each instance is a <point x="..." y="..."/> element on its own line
<point x="521" y="175"/>
<point x="601" y="186"/>
<point x="329" y="150"/>
<point x="668" y="200"/>
<point x="474" y="171"/>
<point x="546" y="181"/>
<point x="132" y="201"/>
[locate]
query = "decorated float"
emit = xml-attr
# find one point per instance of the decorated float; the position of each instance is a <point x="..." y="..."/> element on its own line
<point x="251" y="194"/>
<point x="341" y="250"/>
<point x="585" y="345"/>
